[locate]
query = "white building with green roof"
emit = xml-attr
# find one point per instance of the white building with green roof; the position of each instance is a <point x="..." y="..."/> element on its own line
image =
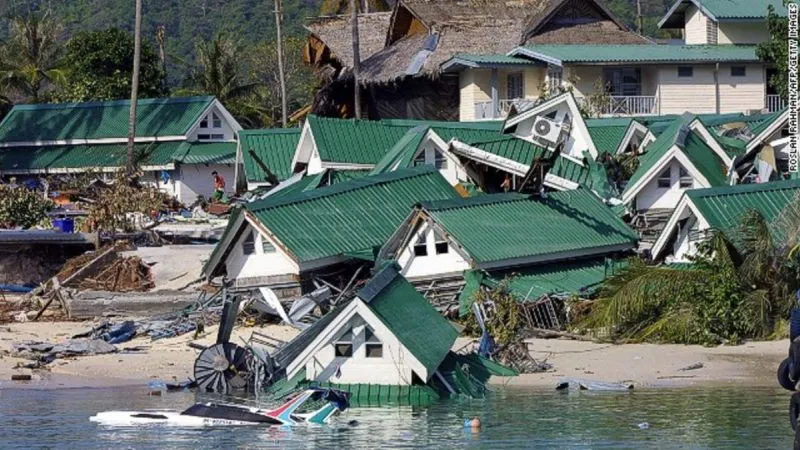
<point x="179" y="141"/>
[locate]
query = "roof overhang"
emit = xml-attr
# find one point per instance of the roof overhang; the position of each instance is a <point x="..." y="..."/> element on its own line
<point x="69" y="170"/>
<point x="457" y="64"/>
<point x="538" y="56"/>
<point x="674" y="153"/>
<point x="556" y="257"/>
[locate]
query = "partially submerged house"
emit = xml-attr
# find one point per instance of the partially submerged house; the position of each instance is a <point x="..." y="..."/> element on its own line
<point x="178" y="143"/>
<point x="703" y="211"/>
<point x="405" y="78"/>
<point x="289" y="241"/>
<point x="386" y="345"/>
<point x="499" y="234"/>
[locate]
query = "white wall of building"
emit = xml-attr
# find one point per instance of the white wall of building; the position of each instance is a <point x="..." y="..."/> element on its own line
<point x="696" y="94"/>
<point x="392" y="368"/>
<point x="196" y="179"/>
<point x="654" y="197"/>
<point x="260" y="264"/>
<point x="741" y="94"/>
<point x="210" y="129"/>
<point x="695" y="26"/>
<point x="576" y="143"/>
<point x="685" y="245"/>
<point x="433" y="264"/>
<point x="743" y="32"/>
<point x="449" y="166"/>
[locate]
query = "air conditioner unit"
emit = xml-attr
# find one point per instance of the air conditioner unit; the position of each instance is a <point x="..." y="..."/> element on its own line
<point x="546" y="130"/>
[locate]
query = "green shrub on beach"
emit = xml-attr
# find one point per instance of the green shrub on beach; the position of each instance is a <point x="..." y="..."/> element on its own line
<point x="20" y="207"/>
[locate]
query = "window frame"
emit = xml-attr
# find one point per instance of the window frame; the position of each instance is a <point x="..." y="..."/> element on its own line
<point x="216" y="122"/>
<point x="737" y="74"/>
<point x="683" y="176"/>
<point x="249" y="240"/>
<point x="515" y="85"/>
<point x="421" y="244"/>
<point x="266" y="244"/>
<point x="204" y="137"/>
<point x="440" y="241"/>
<point x="439" y="160"/>
<point x="372" y="343"/>
<point x="661" y="178"/>
<point x="682" y="71"/>
<point x="345" y="341"/>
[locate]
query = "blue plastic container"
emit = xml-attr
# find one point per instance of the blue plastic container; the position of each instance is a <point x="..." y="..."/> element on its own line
<point x="65" y="225"/>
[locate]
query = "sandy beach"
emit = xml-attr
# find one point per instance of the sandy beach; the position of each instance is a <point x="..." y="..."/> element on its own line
<point x="645" y="365"/>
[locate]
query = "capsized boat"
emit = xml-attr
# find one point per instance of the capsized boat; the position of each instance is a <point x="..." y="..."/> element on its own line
<point x="213" y="414"/>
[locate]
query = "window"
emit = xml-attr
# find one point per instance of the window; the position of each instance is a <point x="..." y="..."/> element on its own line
<point x="419" y="160"/>
<point x="203" y="137"/>
<point x="204" y="122"/>
<point x="686" y="180"/>
<point x="665" y="179"/>
<point x="514" y="87"/>
<point x="421" y="247"/>
<point x="218" y="136"/>
<point x="712" y="32"/>
<point x="623" y="81"/>
<point x="373" y="346"/>
<point x="554" y="78"/>
<point x="216" y="122"/>
<point x="343" y="347"/>
<point x="685" y="71"/>
<point x="738" y="71"/>
<point x="439" y="160"/>
<point x="267" y="247"/>
<point x="249" y="244"/>
<point x="441" y="244"/>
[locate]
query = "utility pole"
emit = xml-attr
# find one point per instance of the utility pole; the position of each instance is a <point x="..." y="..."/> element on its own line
<point x="639" y="19"/>
<point x="356" y="59"/>
<point x="279" y="47"/>
<point x="130" y="167"/>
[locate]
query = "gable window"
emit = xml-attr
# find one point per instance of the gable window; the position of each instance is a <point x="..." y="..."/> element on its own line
<point x="419" y="160"/>
<point x="421" y="247"/>
<point x="441" y="244"/>
<point x="665" y="179"/>
<point x="686" y="180"/>
<point x="267" y="247"/>
<point x="738" y="71"/>
<point x="216" y="121"/>
<point x="439" y="160"/>
<point x="249" y="244"/>
<point x="373" y="345"/>
<point x="218" y="136"/>
<point x="685" y="71"/>
<point x="514" y="86"/>
<point x="204" y="122"/>
<point x="203" y="137"/>
<point x="343" y="347"/>
<point x="622" y="82"/>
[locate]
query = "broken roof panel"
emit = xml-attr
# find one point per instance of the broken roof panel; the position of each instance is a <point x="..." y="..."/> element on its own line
<point x="564" y="225"/>
<point x="608" y="134"/>
<point x="273" y="147"/>
<point x="99" y="120"/>
<point x="352" y="216"/>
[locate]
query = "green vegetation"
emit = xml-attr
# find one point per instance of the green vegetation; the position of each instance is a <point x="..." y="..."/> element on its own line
<point x="776" y="50"/>
<point x="740" y="286"/>
<point x="20" y="207"/>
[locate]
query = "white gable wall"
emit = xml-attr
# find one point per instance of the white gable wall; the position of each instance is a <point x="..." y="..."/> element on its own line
<point x="453" y="171"/>
<point x="224" y="132"/>
<point x="390" y="369"/>
<point x="431" y="265"/>
<point x="654" y="197"/>
<point x="260" y="264"/>
<point x="576" y="143"/>
<point x="695" y="23"/>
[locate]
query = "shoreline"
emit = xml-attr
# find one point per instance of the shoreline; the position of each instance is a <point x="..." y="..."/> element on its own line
<point x="647" y="366"/>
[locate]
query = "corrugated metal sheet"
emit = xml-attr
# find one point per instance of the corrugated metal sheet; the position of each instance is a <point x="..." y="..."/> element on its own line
<point x="743" y="9"/>
<point x="490" y="60"/>
<point x="414" y="321"/>
<point x="353" y="141"/>
<point x="599" y="53"/>
<point x="275" y="148"/>
<point x="402" y="153"/>
<point x="765" y="122"/>
<point x="350" y="216"/>
<point x="97" y="120"/>
<point x="723" y="207"/>
<point x="208" y="153"/>
<point x="565" y="222"/>
<point x="65" y="157"/>
<point x="608" y="138"/>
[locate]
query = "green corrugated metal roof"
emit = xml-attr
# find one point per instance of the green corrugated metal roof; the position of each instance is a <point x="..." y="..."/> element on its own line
<point x="415" y="322"/>
<point x="402" y="154"/>
<point x="351" y="141"/>
<point x="607" y="139"/>
<point x="574" y="277"/>
<point x="736" y="9"/>
<point x="563" y="223"/>
<point x="340" y="176"/>
<point x="600" y="53"/>
<point x="274" y="147"/>
<point x="764" y="121"/>
<point x="486" y="60"/>
<point x="472" y="283"/>
<point x="98" y="120"/>
<point x="723" y="207"/>
<point x="733" y="147"/>
<point x="63" y="157"/>
<point x="356" y="215"/>
<point x="208" y="153"/>
<point x="701" y="155"/>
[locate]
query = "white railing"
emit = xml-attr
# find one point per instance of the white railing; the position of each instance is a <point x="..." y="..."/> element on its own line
<point x="631" y="105"/>
<point x="775" y="103"/>
<point x="484" y="110"/>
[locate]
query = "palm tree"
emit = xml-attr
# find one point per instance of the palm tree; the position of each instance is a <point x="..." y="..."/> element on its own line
<point x="219" y="74"/>
<point x="130" y="167"/>
<point x="31" y="57"/>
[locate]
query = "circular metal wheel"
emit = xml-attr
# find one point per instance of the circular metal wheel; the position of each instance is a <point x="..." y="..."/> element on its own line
<point x="220" y="368"/>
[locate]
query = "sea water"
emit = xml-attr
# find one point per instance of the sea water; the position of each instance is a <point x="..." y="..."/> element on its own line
<point x="719" y="418"/>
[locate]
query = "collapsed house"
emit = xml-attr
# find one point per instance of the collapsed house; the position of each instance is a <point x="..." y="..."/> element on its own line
<point x="701" y="212"/>
<point x="404" y="79"/>
<point x="327" y="235"/>
<point x="444" y="244"/>
<point x="386" y="345"/>
<point x="179" y="142"/>
<point x="264" y="157"/>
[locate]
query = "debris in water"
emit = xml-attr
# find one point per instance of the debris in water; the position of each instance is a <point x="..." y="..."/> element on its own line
<point x="644" y="426"/>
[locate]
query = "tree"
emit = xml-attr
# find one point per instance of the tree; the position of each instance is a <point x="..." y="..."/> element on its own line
<point x="130" y="166"/>
<point x="776" y="50"/>
<point x="30" y="60"/>
<point x="100" y="67"/>
<point x="279" y="48"/>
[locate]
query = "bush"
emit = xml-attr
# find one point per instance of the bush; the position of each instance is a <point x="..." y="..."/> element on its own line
<point x="20" y="207"/>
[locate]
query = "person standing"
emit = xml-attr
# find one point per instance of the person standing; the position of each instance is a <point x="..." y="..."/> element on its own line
<point x="219" y="186"/>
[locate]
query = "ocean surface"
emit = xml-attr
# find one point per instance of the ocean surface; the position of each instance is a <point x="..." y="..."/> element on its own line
<point x="716" y="418"/>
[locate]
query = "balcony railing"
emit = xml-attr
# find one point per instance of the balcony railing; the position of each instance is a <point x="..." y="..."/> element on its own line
<point x="484" y="110"/>
<point x="775" y="103"/>
<point x="629" y="105"/>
